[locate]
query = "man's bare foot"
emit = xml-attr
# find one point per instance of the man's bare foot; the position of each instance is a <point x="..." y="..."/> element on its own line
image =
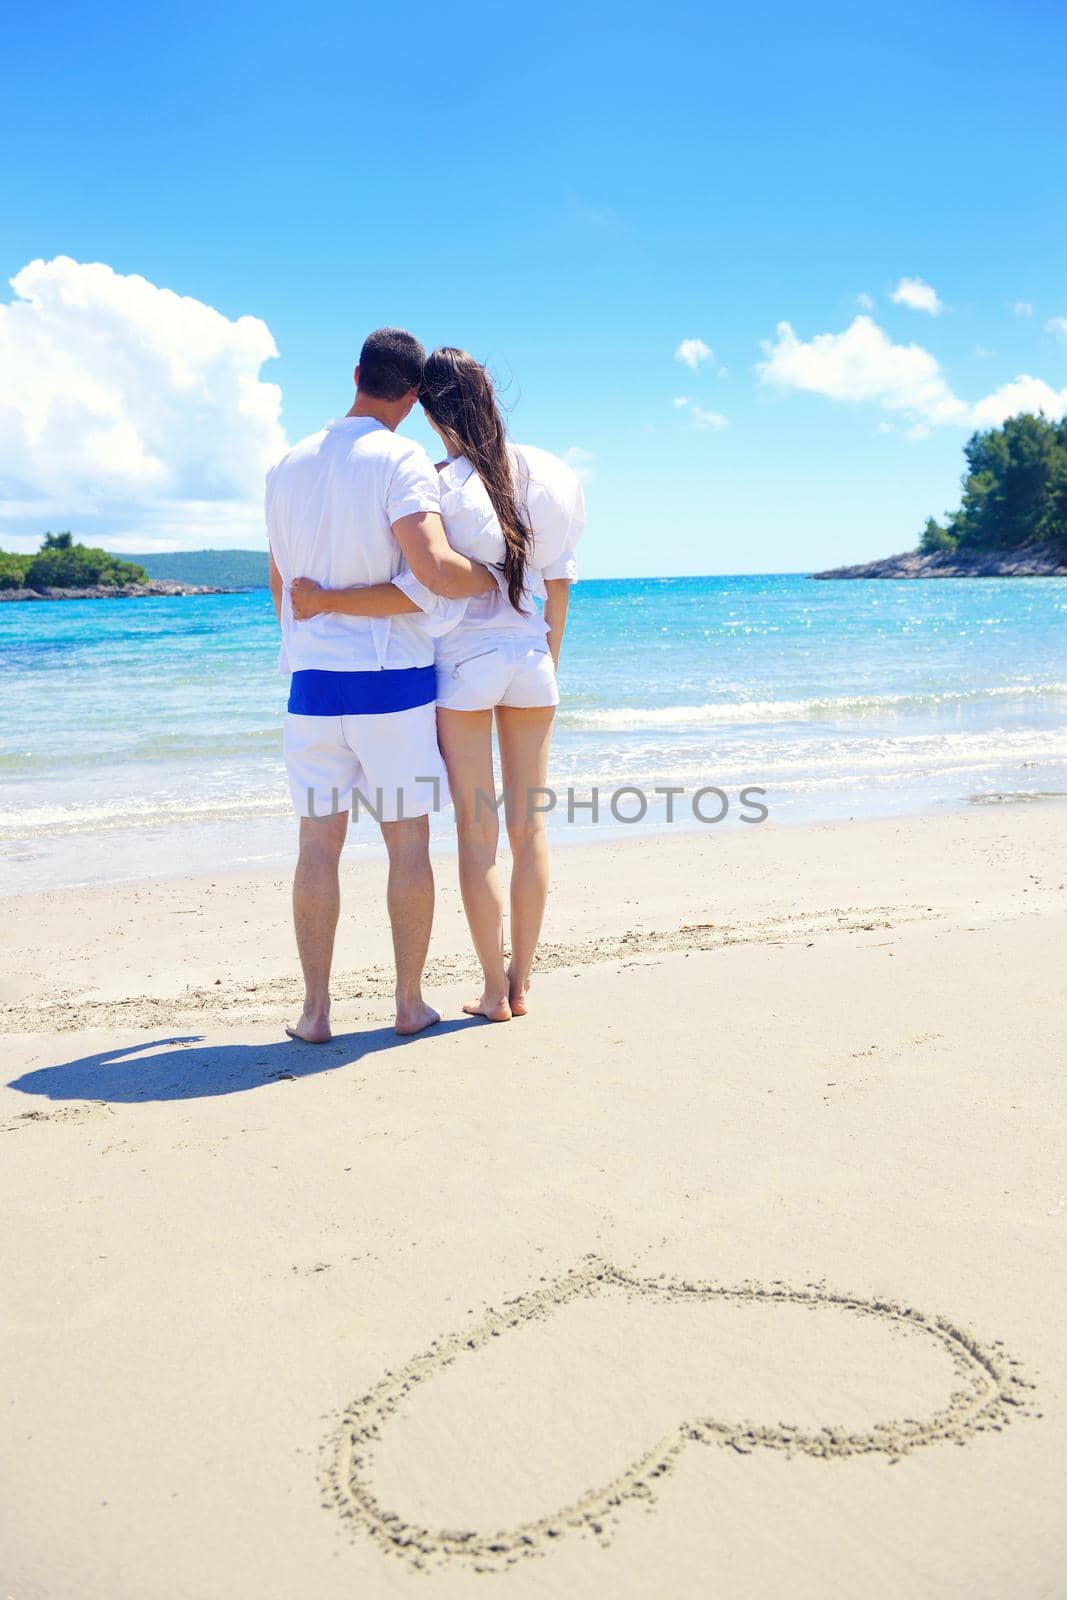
<point x="493" y="1010"/>
<point x="313" y="1027"/>
<point x="518" y="990"/>
<point x="413" y="1018"/>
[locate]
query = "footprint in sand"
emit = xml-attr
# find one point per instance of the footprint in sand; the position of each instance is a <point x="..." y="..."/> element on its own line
<point x="28" y="1119"/>
<point x="580" y="1397"/>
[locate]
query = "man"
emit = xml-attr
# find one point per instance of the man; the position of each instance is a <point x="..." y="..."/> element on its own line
<point x="354" y="505"/>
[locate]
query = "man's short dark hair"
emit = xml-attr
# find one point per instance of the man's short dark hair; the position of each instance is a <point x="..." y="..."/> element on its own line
<point x="390" y="364"/>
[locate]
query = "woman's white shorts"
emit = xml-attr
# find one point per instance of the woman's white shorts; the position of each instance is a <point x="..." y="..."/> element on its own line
<point x="496" y="672"/>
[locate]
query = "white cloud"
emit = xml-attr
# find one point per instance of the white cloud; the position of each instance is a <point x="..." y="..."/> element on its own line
<point x="581" y="460"/>
<point x="1057" y="325"/>
<point x="1022" y="394"/>
<point x="699" y="416"/>
<point x="692" y="353"/>
<point x="708" y="419"/>
<point x="918" y="295"/>
<point x="592" y="215"/>
<point x="863" y="363"/>
<point x="981" y="353"/>
<point x="865" y="302"/>
<point x="1023" y="308"/>
<point x="126" y="406"/>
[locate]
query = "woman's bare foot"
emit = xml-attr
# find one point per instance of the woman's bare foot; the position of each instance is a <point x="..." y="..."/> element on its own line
<point x="492" y="1009"/>
<point x="313" y="1027"/>
<point x="518" y="990"/>
<point x="413" y="1017"/>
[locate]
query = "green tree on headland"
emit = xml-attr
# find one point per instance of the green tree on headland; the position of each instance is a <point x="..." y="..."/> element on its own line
<point x="935" y="538"/>
<point x="62" y="564"/>
<point x="13" y="569"/>
<point x="1014" y="491"/>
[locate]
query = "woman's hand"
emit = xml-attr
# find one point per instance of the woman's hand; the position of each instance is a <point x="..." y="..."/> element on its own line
<point x="308" y="598"/>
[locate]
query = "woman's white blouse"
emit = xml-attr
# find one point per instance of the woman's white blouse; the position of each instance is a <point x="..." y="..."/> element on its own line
<point x="552" y="505"/>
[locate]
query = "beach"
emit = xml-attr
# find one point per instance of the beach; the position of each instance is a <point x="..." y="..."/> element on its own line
<point x="736" y="1266"/>
<point x="730" y="1261"/>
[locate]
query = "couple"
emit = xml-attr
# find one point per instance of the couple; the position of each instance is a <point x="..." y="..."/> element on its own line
<point x="407" y="602"/>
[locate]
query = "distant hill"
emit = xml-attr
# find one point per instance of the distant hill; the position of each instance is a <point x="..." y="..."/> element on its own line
<point x="220" y="569"/>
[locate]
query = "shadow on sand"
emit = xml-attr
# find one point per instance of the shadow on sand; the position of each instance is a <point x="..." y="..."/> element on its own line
<point x="184" y="1068"/>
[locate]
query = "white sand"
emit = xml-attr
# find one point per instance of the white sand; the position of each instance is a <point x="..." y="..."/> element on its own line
<point x="815" y="1075"/>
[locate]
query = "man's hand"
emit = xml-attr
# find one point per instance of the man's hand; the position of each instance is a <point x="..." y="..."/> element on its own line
<point x="308" y="598"/>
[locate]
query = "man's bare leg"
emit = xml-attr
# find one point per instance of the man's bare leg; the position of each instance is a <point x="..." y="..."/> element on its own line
<point x="410" y="901"/>
<point x="316" y="905"/>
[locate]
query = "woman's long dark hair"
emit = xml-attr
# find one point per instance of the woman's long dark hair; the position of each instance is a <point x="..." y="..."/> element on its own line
<point x="457" y="393"/>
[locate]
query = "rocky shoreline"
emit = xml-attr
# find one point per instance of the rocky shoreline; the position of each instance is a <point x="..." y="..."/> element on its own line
<point x="120" y="591"/>
<point x="1038" y="561"/>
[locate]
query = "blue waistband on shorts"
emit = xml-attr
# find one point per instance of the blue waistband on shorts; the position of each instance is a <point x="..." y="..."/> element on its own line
<point x="319" y="693"/>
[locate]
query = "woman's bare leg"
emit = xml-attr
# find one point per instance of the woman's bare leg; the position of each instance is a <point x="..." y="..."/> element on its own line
<point x="466" y="740"/>
<point x="525" y="737"/>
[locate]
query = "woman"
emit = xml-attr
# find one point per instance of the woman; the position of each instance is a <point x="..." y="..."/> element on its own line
<point x="520" y="511"/>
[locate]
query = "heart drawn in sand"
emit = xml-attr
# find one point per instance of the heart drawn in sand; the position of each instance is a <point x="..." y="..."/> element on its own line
<point x="483" y="1449"/>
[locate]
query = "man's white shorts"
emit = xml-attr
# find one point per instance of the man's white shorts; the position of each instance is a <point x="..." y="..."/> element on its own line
<point x="500" y="672"/>
<point x="385" y="764"/>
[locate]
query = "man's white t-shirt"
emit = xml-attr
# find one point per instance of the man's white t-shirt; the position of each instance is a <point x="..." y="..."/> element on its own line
<point x="330" y="505"/>
<point x="551" y="504"/>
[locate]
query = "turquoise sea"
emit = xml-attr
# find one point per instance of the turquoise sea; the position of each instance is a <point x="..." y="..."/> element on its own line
<point x="144" y="736"/>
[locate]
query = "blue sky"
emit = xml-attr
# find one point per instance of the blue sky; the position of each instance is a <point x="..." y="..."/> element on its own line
<point x="570" y="194"/>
